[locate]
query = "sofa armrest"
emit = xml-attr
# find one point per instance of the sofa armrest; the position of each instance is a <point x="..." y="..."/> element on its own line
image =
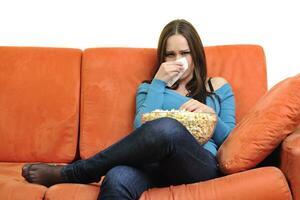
<point x="290" y="162"/>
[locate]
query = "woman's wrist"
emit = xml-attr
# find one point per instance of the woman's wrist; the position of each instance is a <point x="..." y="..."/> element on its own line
<point x="158" y="82"/>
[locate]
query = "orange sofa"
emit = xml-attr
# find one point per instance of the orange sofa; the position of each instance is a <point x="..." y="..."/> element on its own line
<point x="60" y="104"/>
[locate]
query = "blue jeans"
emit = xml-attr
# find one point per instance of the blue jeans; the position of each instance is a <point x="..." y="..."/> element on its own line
<point x="160" y="153"/>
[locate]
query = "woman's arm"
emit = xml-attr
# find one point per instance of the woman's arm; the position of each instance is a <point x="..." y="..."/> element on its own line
<point x="151" y="98"/>
<point x="148" y="98"/>
<point x="226" y="116"/>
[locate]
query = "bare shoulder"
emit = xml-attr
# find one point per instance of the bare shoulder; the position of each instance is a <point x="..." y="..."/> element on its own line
<point x="218" y="82"/>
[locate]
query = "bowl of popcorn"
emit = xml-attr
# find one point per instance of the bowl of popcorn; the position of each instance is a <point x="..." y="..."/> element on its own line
<point x="200" y="124"/>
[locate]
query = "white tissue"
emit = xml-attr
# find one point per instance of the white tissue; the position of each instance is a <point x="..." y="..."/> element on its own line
<point x="185" y="67"/>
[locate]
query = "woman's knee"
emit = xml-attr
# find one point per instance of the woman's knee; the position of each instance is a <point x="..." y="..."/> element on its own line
<point x="117" y="176"/>
<point x="124" y="182"/>
<point x="165" y="129"/>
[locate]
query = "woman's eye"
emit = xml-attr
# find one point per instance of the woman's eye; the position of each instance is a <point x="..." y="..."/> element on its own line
<point x="169" y="55"/>
<point x="186" y="53"/>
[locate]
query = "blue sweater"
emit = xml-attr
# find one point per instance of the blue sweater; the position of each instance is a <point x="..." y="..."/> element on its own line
<point x="156" y="96"/>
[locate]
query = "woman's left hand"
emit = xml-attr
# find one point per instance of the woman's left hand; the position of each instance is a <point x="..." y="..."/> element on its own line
<point x="195" y="106"/>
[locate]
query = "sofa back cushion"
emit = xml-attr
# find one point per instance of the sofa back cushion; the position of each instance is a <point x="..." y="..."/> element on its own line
<point x="110" y="77"/>
<point x="39" y="103"/>
<point x="244" y="67"/>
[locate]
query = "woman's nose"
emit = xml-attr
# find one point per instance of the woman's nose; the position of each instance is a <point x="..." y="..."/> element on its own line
<point x="178" y="56"/>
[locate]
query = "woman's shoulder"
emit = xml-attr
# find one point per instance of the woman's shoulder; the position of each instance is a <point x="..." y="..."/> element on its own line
<point x="143" y="87"/>
<point x="217" y="83"/>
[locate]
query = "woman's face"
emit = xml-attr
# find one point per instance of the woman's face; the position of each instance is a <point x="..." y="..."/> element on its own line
<point x="176" y="48"/>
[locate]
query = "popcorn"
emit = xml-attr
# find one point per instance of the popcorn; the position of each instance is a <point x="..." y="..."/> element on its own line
<point x="200" y="124"/>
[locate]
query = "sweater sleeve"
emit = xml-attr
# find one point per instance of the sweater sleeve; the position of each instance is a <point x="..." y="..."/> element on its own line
<point x="226" y="117"/>
<point x="149" y="98"/>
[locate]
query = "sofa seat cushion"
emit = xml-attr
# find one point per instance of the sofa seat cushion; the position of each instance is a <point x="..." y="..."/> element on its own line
<point x="73" y="191"/>
<point x="276" y="115"/>
<point x="259" y="184"/>
<point x="14" y="187"/>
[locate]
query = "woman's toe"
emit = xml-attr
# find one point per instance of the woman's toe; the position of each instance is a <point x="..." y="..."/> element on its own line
<point x="25" y="170"/>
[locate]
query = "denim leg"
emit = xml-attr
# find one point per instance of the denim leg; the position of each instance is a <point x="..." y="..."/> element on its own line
<point x="190" y="163"/>
<point x="124" y="182"/>
<point x="164" y="140"/>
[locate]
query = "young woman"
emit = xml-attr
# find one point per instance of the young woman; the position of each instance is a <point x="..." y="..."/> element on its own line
<point x="161" y="152"/>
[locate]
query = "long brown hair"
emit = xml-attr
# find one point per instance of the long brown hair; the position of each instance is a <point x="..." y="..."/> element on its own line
<point x="196" y="86"/>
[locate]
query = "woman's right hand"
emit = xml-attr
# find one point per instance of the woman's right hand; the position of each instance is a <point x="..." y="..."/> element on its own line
<point x="168" y="70"/>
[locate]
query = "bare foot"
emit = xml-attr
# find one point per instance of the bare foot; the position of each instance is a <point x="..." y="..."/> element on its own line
<point x="43" y="174"/>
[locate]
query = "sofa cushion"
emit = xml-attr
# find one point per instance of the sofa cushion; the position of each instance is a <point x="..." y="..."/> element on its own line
<point x="73" y="191"/>
<point x="259" y="184"/>
<point x="244" y="67"/>
<point x="276" y="115"/>
<point x="39" y="103"/>
<point x="110" y="78"/>
<point x="290" y="161"/>
<point x="14" y="187"/>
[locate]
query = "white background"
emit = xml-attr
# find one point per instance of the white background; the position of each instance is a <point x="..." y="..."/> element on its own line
<point x="137" y="23"/>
